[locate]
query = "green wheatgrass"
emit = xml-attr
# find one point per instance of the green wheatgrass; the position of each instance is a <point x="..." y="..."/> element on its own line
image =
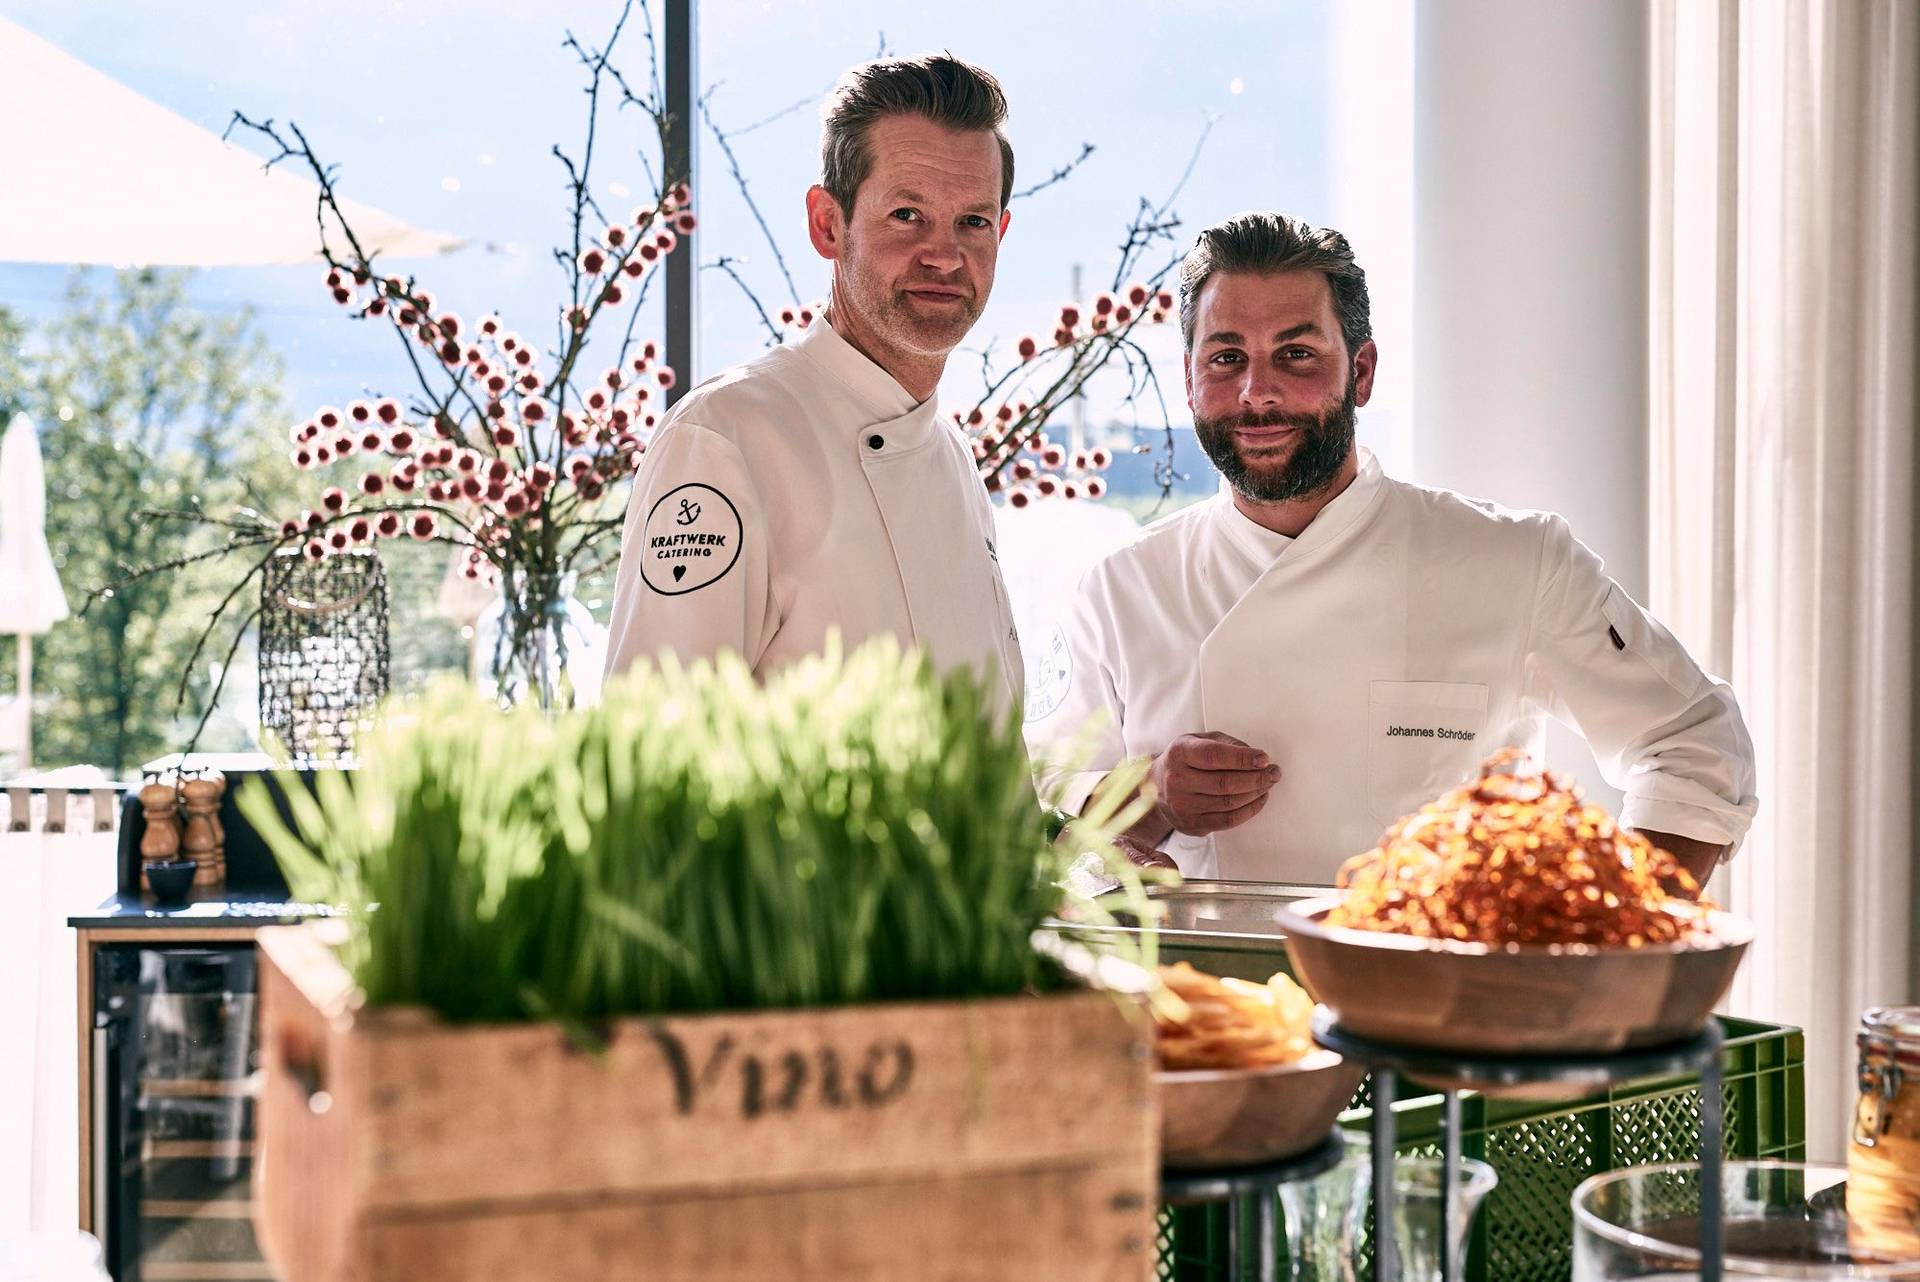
<point x="858" y="829"/>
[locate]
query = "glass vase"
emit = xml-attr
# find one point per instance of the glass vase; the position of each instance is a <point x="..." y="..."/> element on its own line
<point x="1330" y="1223"/>
<point x="536" y="643"/>
<point x="1317" y="1211"/>
<point x="1422" y="1230"/>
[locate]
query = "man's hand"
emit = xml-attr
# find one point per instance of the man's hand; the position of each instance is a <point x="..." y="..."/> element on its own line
<point x="1206" y="783"/>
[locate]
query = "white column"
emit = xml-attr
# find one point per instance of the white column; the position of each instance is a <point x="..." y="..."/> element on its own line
<point x="1371" y="199"/>
<point x="1530" y="267"/>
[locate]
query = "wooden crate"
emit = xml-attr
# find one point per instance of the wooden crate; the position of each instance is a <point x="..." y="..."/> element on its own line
<point x="1004" y="1139"/>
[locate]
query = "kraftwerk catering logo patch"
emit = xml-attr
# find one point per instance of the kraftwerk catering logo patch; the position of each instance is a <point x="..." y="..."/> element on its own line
<point x="1049" y="676"/>
<point x="692" y="539"/>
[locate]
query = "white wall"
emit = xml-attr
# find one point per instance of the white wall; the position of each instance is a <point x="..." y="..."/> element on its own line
<point x="1530" y="268"/>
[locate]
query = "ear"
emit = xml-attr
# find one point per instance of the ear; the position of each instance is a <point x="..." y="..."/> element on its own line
<point x="1006" y="216"/>
<point x="1186" y="372"/>
<point x="826" y="226"/>
<point x="1364" y="362"/>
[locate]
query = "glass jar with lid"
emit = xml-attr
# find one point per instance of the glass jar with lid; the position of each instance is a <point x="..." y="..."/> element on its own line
<point x="1883" y="1159"/>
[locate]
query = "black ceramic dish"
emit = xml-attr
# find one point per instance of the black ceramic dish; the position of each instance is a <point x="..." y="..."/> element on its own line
<point x="170" y="879"/>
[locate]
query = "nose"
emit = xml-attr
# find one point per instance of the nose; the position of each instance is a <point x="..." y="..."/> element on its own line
<point x="1260" y="388"/>
<point x="940" y="252"/>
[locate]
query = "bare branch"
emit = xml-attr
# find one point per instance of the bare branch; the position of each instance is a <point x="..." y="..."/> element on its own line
<point x="799" y="104"/>
<point x="726" y="265"/>
<point x="746" y="194"/>
<point x="1193" y="159"/>
<point x="1153" y="222"/>
<point x="213" y="699"/>
<point x="1058" y="175"/>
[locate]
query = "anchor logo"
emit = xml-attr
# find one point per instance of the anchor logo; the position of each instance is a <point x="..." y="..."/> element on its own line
<point x="689" y="512"/>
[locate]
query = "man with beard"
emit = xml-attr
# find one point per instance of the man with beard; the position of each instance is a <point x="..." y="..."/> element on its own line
<point x="1321" y="649"/>
<point x="815" y="490"/>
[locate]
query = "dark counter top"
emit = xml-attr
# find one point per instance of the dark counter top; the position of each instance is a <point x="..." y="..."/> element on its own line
<point x="216" y="908"/>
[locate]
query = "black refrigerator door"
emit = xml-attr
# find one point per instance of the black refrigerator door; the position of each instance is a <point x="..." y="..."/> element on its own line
<point x="177" y="1093"/>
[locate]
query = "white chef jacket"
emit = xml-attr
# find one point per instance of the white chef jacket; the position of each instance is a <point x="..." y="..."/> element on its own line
<point x="802" y="493"/>
<point x="1378" y="658"/>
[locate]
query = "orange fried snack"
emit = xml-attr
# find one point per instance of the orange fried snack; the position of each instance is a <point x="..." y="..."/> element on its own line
<point x="1231" y="1023"/>
<point x="1517" y="858"/>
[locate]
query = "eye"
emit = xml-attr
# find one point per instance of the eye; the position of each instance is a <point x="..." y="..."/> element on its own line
<point x="1298" y="353"/>
<point x="1220" y="358"/>
<point x="978" y="221"/>
<point x="904" y="214"/>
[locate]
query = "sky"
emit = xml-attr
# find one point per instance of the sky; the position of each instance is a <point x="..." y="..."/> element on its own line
<point x="445" y="116"/>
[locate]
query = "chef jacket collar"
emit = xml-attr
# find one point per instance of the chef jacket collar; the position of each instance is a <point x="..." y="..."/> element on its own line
<point x="880" y="395"/>
<point x="1266" y="546"/>
<point x="1256" y="541"/>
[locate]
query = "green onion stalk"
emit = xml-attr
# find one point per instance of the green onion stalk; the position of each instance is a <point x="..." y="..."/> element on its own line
<point x="857" y="829"/>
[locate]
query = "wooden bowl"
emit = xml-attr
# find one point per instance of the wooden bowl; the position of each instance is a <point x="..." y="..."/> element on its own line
<point x="1245" y="1116"/>
<point x="1516" y="1000"/>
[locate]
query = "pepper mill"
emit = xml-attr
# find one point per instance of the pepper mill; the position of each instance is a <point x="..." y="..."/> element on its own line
<point x="213" y="817"/>
<point x="161" y="840"/>
<point x="202" y="839"/>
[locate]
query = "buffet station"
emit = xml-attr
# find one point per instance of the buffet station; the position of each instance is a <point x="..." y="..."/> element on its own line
<point x="719" y="981"/>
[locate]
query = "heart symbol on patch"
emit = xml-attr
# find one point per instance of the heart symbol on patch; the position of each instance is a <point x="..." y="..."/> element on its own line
<point x="679" y="573"/>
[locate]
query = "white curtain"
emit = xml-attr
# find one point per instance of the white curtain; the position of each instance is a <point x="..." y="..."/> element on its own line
<point x="46" y="877"/>
<point x="1784" y="218"/>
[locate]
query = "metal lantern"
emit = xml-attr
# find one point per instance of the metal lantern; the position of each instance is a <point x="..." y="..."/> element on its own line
<point x="324" y="655"/>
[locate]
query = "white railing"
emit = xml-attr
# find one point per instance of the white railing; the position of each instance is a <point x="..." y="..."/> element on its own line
<point x="74" y="799"/>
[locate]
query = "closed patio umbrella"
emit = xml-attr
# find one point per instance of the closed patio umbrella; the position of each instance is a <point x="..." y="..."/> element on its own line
<point x="105" y="176"/>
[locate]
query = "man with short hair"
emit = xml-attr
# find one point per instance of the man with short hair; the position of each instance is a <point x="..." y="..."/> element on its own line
<point x="1321" y="649"/>
<point x="816" y="489"/>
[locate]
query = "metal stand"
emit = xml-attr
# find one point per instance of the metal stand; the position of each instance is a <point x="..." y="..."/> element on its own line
<point x="1236" y="1185"/>
<point x="1489" y="1073"/>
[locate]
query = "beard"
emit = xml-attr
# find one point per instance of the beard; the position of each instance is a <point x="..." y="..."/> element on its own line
<point x="928" y="328"/>
<point x="1319" y="451"/>
<point x="903" y="321"/>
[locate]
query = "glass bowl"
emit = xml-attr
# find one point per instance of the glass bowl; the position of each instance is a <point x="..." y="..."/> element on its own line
<point x="1783" y="1220"/>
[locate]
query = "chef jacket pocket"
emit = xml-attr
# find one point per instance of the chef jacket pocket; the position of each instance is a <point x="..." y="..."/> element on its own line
<point x="1423" y="737"/>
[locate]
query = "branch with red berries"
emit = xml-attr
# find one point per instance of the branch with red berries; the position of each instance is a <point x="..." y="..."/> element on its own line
<point x="1016" y="457"/>
<point x="504" y="448"/>
<point x="1008" y="423"/>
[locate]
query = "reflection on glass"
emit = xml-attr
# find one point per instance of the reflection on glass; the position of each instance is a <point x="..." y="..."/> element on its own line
<point x="176" y="1141"/>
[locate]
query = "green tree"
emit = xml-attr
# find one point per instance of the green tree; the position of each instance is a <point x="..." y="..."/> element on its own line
<point x="144" y="402"/>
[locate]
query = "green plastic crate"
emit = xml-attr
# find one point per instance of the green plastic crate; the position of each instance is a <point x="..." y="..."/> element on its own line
<point x="1524" y="1232"/>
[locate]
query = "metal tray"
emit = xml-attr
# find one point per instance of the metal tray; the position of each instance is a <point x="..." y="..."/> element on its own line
<point x="1221" y="927"/>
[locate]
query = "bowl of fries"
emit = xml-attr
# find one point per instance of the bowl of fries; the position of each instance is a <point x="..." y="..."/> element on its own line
<point x="1241" y="1081"/>
<point x="1512" y="917"/>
